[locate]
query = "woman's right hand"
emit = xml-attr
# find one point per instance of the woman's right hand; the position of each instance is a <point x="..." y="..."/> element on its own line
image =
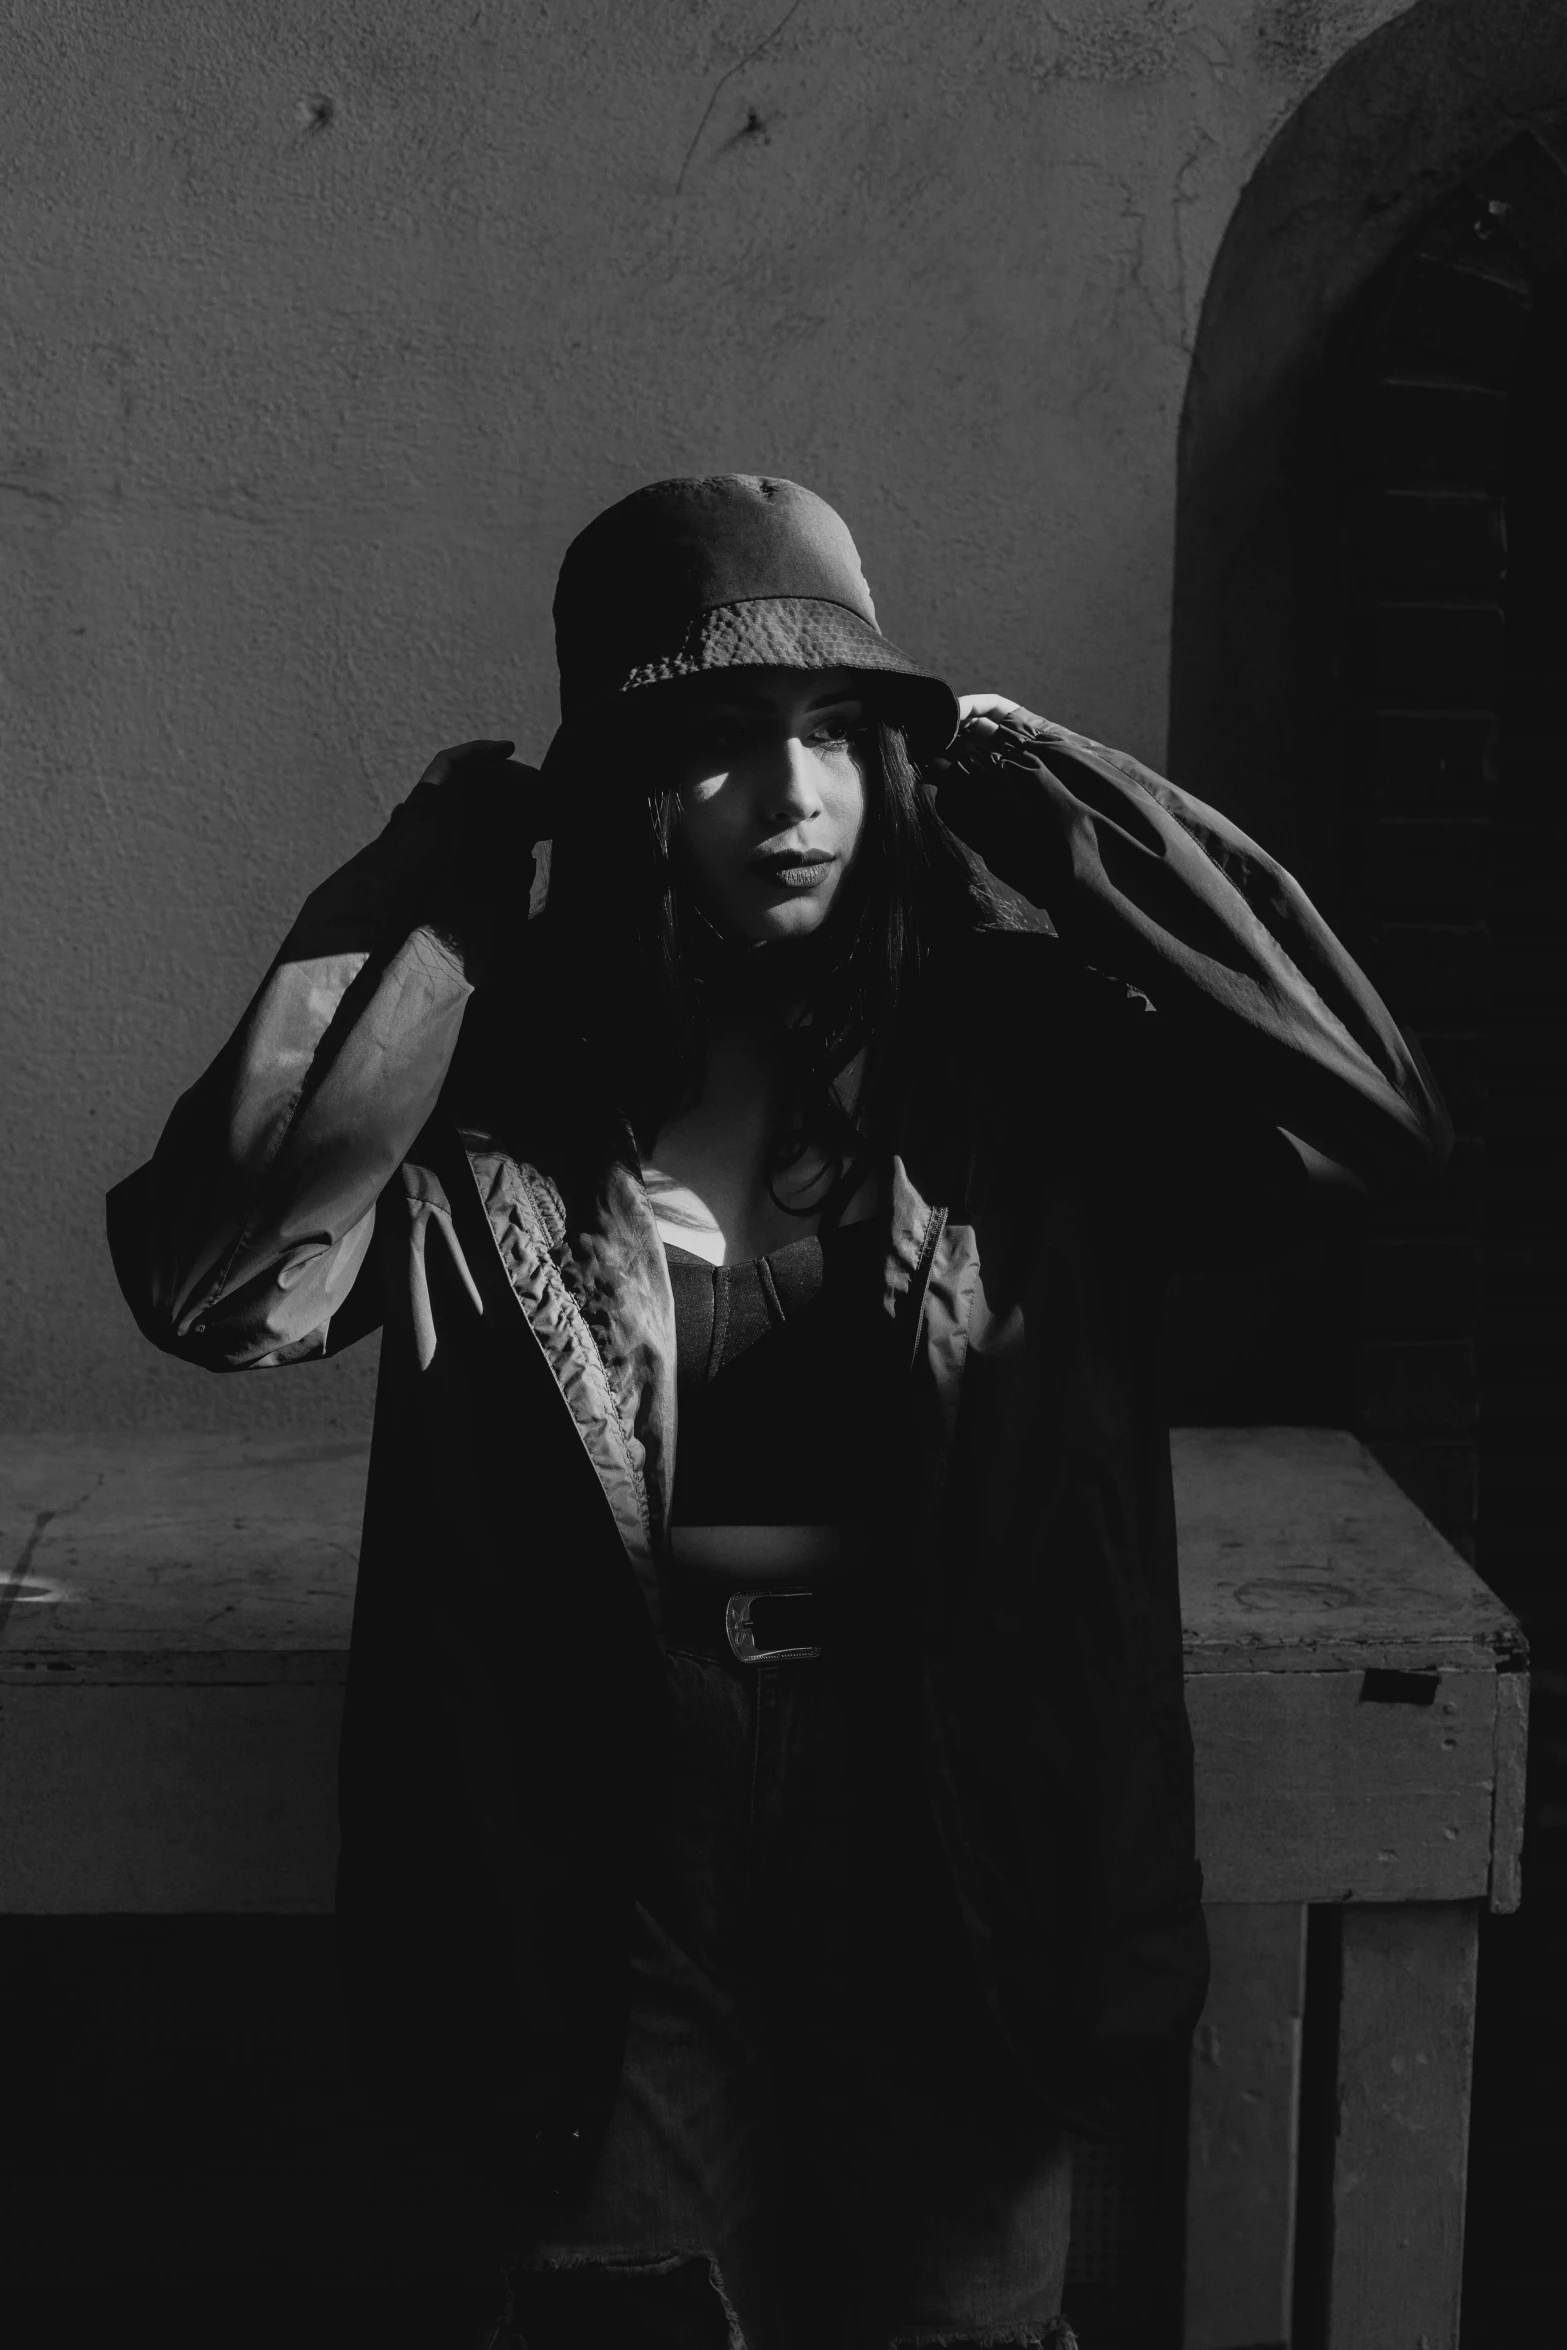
<point x="242" y="1239"/>
<point x="463" y="843"/>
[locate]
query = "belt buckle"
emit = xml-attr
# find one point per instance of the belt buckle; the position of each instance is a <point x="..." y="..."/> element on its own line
<point x="740" y="1631"/>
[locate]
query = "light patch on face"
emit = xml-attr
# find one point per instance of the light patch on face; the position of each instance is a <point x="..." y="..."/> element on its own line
<point x="772" y="798"/>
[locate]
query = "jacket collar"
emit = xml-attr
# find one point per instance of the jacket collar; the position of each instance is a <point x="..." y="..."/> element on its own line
<point x="584" y="1259"/>
<point x="913" y="1237"/>
<point x="585" y="1263"/>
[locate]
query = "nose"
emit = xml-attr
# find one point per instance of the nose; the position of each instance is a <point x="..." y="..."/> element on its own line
<point x="793" y="789"/>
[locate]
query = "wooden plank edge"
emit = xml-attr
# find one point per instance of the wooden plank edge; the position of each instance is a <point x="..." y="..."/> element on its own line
<point x="173" y="1668"/>
<point x="1350" y="1654"/>
<point x="1507" y="1803"/>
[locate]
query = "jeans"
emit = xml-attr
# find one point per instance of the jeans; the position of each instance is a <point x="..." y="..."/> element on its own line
<point x="813" y="2144"/>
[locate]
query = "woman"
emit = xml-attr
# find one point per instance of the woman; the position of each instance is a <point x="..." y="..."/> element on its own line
<point x="767" y="1817"/>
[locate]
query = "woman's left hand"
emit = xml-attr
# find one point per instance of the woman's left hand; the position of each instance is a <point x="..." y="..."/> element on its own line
<point x="984" y="706"/>
<point x="997" y="813"/>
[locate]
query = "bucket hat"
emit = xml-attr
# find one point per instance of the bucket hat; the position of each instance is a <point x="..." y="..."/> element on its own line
<point x="723" y="571"/>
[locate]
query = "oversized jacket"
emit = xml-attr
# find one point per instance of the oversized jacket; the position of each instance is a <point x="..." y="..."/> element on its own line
<point x="1081" y="1087"/>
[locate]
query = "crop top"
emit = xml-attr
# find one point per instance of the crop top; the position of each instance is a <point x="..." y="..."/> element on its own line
<point x="779" y="1364"/>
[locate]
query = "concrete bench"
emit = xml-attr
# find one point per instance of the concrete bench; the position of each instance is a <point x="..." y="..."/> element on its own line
<point x="173" y="1636"/>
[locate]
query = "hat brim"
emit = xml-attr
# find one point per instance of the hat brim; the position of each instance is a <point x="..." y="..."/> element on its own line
<point x="777" y="632"/>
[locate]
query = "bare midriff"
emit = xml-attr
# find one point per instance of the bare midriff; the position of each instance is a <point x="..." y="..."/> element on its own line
<point x="763" y="1555"/>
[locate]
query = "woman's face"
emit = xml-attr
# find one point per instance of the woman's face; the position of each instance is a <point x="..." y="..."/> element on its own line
<point x="772" y="798"/>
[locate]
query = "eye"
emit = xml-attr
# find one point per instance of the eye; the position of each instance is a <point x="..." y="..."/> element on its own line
<point x="837" y="729"/>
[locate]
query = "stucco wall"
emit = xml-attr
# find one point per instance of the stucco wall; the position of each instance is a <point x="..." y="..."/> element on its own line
<point x="327" y="327"/>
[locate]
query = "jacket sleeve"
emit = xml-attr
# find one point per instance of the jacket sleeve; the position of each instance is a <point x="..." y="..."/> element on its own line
<point x="1141" y="879"/>
<point x="245" y="1241"/>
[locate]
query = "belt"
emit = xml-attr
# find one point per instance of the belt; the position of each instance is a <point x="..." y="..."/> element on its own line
<point x="770" y="1627"/>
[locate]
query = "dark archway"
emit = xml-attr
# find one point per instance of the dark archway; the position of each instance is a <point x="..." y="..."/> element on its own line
<point x="1433" y="618"/>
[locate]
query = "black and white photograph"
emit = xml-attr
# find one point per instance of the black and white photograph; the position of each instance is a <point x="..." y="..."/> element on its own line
<point x="783" y="813"/>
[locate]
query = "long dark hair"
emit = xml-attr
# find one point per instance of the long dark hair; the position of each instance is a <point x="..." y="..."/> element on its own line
<point x="629" y="961"/>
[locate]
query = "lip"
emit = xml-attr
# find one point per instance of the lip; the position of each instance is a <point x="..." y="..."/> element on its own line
<point x="795" y="870"/>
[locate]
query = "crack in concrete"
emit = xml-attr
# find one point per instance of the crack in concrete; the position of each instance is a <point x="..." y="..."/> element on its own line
<point x="722" y="84"/>
<point x="11" y="1588"/>
<point x="31" y="492"/>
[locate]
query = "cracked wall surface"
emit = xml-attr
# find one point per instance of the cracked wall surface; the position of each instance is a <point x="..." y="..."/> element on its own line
<point x="326" y="330"/>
